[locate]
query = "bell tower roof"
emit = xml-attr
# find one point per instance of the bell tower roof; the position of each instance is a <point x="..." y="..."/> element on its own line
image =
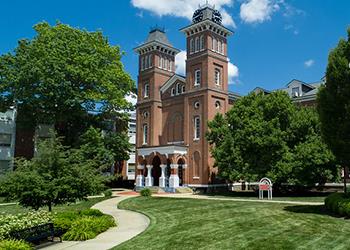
<point x="157" y="40"/>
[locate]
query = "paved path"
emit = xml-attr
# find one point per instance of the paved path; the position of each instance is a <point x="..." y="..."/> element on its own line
<point x="129" y="223"/>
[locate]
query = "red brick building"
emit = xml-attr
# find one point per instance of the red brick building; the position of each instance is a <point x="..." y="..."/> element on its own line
<point x="173" y="110"/>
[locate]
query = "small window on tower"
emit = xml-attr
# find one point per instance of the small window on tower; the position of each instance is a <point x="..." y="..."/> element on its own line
<point x="197" y="77"/>
<point x="197" y="128"/>
<point x="219" y="47"/>
<point x="159" y="62"/>
<point x="217" y="77"/>
<point x="191" y="45"/>
<point x="150" y="61"/>
<point x="217" y="105"/>
<point x="146" y="62"/>
<point x="144" y="134"/>
<point x="146" y="90"/>
<point x="170" y="65"/>
<point x="142" y="63"/>
<point x="197" y="44"/>
<point x="214" y="44"/>
<point x="166" y="64"/>
<point x="202" y="43"/>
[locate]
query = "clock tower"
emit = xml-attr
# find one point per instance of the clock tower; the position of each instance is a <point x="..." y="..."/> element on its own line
<point x="207" y="85"/>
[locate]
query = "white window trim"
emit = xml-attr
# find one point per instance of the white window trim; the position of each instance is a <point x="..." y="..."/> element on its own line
<point x="217" y="78"/>
<point x="197" y="133"/>
<point x="146" y="90"/>
<point x="192" y="44"/>
<point x="197" y="81"/>
<point x="201" y="43"/>
<point x="144" y="134"/>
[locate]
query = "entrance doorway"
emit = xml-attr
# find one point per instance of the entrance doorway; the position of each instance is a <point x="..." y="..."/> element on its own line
<point x="156" y="170"/>
<point x="180" y="170"/>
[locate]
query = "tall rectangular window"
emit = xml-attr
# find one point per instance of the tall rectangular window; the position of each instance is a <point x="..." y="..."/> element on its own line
<point x="191" y="45"/>
<point x="197" y="77"/>
<point x="295" y="92"/>
<point x="197" y="128"/>
<point x="142" y="63"/>
<point x="146" y="90"/>
<point x="145" y="134"/>
<point x="217" y="77"/>
<point x="5" y="140"/>
<point x="159" y="62"/>
<point x="146" y="62"/>
<point x="150" y="61"/>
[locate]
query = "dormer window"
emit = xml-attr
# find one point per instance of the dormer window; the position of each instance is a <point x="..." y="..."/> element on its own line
<point x="295" y="92"/>
<point x="172" y="91"/>
<point x="197" y="77"/>
<point x="146" y="90"/>
<point x="183" y="89"/>
<point x="178" y="89"/>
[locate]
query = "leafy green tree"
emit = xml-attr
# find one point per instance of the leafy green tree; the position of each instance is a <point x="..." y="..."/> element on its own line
<point x="56" y="175"/>
<point x="334" y="103"/>
<point x="267" y="135"/>
<point x="64" y="71"/>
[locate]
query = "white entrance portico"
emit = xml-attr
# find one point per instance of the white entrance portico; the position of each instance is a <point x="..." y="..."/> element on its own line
<point x="157" y="166"/>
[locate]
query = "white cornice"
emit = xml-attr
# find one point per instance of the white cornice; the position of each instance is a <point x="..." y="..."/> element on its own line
<point x="155" y="45"/>
<point x="206" y="25"/>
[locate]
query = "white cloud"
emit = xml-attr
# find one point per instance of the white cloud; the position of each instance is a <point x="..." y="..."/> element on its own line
<point x="309" y="63"/>
<point x="180" y="62"/>
<point x="291" y="28"/>
<point x="183" y="8"/>
<point x="233" y="73"/>
<point x="258" y="11"/>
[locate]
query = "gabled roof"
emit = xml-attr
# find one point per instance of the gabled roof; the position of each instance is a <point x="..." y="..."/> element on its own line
<point x="171" y="81"/>
<point x="261" y="89"/>
<point x="300" y="82"/>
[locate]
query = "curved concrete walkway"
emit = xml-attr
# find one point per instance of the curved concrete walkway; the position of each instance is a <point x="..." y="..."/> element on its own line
<point x="129" y="225"/>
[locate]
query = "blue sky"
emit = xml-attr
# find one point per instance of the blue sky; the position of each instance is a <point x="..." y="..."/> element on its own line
<point x="274" y="41"/>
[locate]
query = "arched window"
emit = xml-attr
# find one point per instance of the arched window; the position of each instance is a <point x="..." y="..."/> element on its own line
<point x="144" y="134"/>
<point x="166" y="64"/>
<point x="202" y="42"/>
<point x="172" y="91"/>
<point x="146" y="90"/>
<point x="183" y="89"/>
<point x="170" y="65"/>
<point x="214" y="44"/>
<point x="142" y="63"/>
<point x="163" y="63"/>
<point x="197" y="44"/>
<point x="146" y="62"/>
<point x="159" y="62"/>
<point x="223" y="48"/>
<point x="219" y="46"/>
<point x="150" y="61"/>
<point x="191" y="45"/>
<point x="217" y="105"/>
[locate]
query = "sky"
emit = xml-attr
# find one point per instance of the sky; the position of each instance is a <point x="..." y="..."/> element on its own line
<point x="274" y="41"/>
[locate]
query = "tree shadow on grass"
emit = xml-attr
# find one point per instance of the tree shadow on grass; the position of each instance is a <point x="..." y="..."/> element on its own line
<point x="311" y="209"/>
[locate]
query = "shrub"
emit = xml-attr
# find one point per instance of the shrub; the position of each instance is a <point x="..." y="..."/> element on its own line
<point x="108" y="193"/>
<point x="15" y="245"/>
<point x="146" y="192"/>
<point x="338" y="203"/>
<point x="64" y="220"/>
<point x="10" y="223"/>
<point x="91" y="212"/>
<point x="89" y="227"/>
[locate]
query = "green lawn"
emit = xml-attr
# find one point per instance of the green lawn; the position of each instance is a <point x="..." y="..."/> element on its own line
<point x="208" y="224"/>
<point x="15" y="209"/>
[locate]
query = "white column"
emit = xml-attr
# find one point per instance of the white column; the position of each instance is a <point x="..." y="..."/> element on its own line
<point x="139" y="177"/>
<point x="162" y="177"/>
<point x="149" y="179"/>
<point x="174" y="178"/>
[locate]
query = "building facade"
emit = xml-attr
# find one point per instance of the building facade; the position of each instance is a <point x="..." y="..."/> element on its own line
<point x="173" y="110"/>
<point x="7" y="139"/>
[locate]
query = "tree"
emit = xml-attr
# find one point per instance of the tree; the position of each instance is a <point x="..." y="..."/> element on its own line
<point x="56" y="175"/>
<point x="64" y="71"/>
<point x="267" y="135"/>
<point x="334" y="104"/>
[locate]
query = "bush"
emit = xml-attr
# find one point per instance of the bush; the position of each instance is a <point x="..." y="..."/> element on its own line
<point x="89" y="227"/>
<point x="65" y="220"/>
<point x="10" y="223"/>
<point x="15" y="245"/>
<point x="91" y="212"/>
<point x="146" y="192"/>
<point x="338" y="203"/>
<point x="108" y="193"/>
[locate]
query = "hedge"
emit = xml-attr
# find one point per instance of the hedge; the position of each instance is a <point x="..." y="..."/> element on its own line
<point x="338" y="203"/>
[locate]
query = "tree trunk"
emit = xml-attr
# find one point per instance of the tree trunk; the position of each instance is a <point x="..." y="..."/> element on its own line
<point x="50" y="206"/>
